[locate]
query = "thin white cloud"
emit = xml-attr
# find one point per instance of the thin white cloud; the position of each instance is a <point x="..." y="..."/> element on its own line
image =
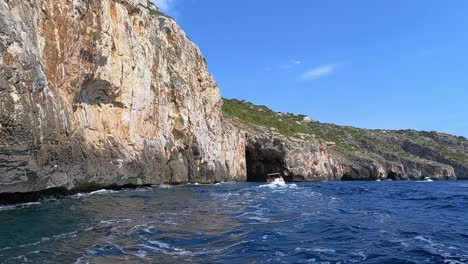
<point x="284" y="66"/>
<point x="290" y="64"/>
<point x="165" y="5"/>
<point x="318" y="72"/>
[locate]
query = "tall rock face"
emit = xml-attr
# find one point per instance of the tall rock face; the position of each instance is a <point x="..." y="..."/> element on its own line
<point x="106" y="92"/>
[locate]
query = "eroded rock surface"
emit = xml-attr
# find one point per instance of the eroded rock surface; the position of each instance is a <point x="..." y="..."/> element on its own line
<point x="305" y="150"/>
<point x="106" y="92"/>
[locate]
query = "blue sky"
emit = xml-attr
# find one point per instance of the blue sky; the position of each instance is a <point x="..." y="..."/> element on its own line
<point x="374" y="64"/>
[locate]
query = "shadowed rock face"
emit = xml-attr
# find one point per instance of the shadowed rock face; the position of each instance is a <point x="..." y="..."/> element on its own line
<point x="295" y="161"/>
<point x="106" y="93"/>
<point x="262" y="160"/>
<point x="312" y="160"/>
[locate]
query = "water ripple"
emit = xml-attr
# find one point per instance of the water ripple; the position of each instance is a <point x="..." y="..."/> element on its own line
<point x="239" y="222"/>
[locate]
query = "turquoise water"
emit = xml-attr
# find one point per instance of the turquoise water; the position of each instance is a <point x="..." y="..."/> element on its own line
<point x="334" y="222"/>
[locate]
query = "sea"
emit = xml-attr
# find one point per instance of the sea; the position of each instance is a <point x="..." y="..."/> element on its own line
<point x="322" y="222"/>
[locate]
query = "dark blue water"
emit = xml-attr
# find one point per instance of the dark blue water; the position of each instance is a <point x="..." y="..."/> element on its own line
<point x="336" y="222"/>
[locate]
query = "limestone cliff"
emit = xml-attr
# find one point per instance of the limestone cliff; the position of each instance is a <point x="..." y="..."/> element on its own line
<point x="106" y="92"/>
<point x="303" y="149"/>
<point x="112" y="92"/>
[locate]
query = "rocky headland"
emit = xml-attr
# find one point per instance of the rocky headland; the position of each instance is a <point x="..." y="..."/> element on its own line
<point x="112" y="93"/>
<point x="306" y="150"/>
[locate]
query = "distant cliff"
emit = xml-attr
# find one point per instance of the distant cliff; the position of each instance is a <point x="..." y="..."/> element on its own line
<point x="106" y="93"/>
<point x="112" y="93"/>
<point x="304" y="149"/>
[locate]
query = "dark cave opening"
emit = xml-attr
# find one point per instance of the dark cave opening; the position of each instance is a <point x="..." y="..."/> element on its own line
<point x="392" y="176"/>
<point x="261" y="162"/>
<point x="347" y="177"/>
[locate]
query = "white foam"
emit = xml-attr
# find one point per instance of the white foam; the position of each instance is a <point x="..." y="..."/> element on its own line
<point x="323" y="250"/>
<point x="143" y="189"/>
<point x="21" y="258"/>
<point x="80" y="195"/>
<point x="451" y="261"/>
<point x="272" y="186"/>
<point x="278" y="185"/>
<point x="35" y="243"/>
<point x="18" y="206"/>
<point x="148" y="230"/>
<point x="279" y="182"/>
<point x="260" y="219"/>
<point x="7" y="207"/>
<point x="360" y="254"/>
<point x="65" y="235"/>
<point x="112" y="221"/>
<point x="102" y="191"/>
<point x="141" y="254"/>
<point x="312" y="194"/>
<point x="160" y="244"/>
<point x="82" y="260"/>
<point x="441" y="250"/>
<point x="424" y="239"/>
<point x="33" y="203"/>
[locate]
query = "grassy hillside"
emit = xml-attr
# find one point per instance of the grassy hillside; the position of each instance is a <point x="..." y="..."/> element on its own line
<point x="405" y="143"/>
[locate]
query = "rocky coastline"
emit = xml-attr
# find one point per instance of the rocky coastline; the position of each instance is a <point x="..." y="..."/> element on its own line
<point x="113" y="94"/>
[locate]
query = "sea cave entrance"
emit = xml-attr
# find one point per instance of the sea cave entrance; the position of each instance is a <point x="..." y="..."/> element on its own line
<point x="261" y="162"/>
<point x="393" y="176"/>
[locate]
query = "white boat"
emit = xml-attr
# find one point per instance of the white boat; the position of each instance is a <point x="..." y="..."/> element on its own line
<point x="275" y="178"/>
<point x="278" y="182"/>
<point x="428" y="179"/>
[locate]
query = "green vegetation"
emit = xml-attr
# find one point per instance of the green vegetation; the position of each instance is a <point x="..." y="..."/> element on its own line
<point x="348" y="138"/>
<point x="292" y="125"/>
<point x="153" y="10"/>
<point x="262" y="116"/>
<point x="435" y="141"/>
